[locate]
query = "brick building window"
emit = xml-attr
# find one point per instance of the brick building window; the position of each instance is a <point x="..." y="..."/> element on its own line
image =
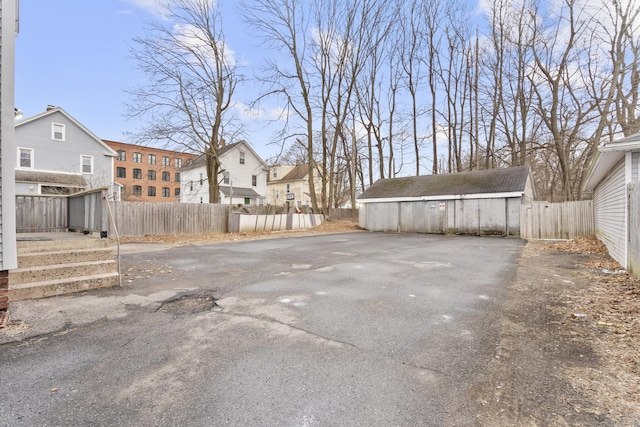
<point x="121" y="172"/>
<point x="166" y="192"/>
<point x="137" y="174"/>
<point x="151" y="191"/>
<point x="166" y="176"/>
<point x="137" y="190"/>
<point x="176" y="192"/>
<point x="151" y="175"/>
<point x="166" y="161"/>
<point x="137" y="157"/>
<point x="178" y="163"/>
<point x="122" y="155"/>
<point x="151" y="158"/>
<point x="177" y="176"/>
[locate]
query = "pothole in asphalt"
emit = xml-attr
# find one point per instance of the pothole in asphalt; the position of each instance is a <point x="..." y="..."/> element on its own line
<point x="188" y="304"/>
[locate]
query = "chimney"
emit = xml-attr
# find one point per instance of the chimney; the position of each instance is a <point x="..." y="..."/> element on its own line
<point x="50" y="107"/>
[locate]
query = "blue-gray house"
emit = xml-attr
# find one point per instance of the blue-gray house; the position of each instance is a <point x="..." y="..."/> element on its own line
<point x="58" y="155"/>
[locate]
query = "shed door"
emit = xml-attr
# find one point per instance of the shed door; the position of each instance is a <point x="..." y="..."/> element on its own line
<point x="423" y="217"/>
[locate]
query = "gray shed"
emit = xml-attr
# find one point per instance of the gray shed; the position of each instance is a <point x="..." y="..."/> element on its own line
<point x="483" y="202"/>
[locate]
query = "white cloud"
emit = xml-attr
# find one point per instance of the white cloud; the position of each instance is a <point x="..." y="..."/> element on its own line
<point x="154" y="7"/>
<point x="195" y="37"/>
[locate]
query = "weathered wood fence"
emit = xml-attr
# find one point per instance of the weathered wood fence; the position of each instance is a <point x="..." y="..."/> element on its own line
<point x="566" y="220"/>
<point x="41" y="214"/>
<point x="633" y="200"/>
<point x="146" y="218"/>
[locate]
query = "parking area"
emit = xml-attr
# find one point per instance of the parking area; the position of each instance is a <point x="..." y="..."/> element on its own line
<point x="343" y="329"/>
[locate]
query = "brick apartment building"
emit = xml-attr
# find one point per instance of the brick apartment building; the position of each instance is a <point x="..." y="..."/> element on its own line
<point x="148" y="174"/>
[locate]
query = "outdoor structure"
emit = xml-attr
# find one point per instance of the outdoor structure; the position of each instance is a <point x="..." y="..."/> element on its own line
<point x="8" y="252"/>
<point x="484" y="202"/>
<point x="56" y="154"/>
<point x="148" y="174"/>
<point x="243" y="178"/>
<point x="289" y="184"/>
<point x="612" y="178"/>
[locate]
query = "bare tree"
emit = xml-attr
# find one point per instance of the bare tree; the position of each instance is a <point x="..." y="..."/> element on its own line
<point x="192" y="78"/>
<point x="282" y="25"/>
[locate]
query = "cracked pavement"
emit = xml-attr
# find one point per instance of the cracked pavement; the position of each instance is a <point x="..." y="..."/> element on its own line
<point x="344" y="329"/>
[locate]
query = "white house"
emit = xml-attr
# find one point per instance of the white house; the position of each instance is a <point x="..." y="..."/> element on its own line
<point x="243" y="179"/>
<point x="616" y="165"/>
<point x="55" y="154"/>
<point x="289" y="184"/>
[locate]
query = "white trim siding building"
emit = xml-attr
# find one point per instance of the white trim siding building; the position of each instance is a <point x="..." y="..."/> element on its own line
<point x="614" y="168"/>
<point x="484" y="202"/>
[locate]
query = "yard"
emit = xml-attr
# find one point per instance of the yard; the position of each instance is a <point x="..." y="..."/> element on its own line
<point x="551" y="342"/>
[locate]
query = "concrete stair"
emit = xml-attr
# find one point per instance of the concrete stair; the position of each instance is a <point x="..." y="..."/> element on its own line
<point x="49" y="268"/>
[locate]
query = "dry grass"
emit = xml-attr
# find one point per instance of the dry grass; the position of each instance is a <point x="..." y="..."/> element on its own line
<point x="187" y="239"/>
<point x="607" y="316"/>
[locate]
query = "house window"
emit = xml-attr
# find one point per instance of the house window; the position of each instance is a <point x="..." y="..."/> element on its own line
<point x="26" y="158"/>
<point x="178" y="163"/>
<point x="137" y="157"/>
<point x="166" y="161"/>
<point x="176" y="192"/>
<point x="177" y="176"/>
<point x="242" y="157"/>
<point x="225" y="180"/>
<point x="247" y="201"/>
<point x="137" y="174"/>
<point x="254" y="180"/>
<point x="137" y="190"/>
<point x="166" y="192"/>
<point x="151" y="175"/>
<point x="57" y="131"/>
<point x="151" y="158"/>
<point x="121" y="172"/>
<point x="166" y="176"/>
<point x="274" y="172"/>
<point x="151" y="191"/>
<point x="122" y="155"/>
<point x="87" y="164"/>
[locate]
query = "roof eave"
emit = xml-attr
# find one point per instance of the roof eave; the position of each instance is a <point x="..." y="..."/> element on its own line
<point x="442" y="197"/>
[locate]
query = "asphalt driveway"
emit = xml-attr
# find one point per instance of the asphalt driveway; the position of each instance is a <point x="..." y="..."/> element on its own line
<point x="347" y="329"/>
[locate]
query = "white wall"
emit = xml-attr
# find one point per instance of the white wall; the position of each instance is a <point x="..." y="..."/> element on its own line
<point x="610" y="212"/>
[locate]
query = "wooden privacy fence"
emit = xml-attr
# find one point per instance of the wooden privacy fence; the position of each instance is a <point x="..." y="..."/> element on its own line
<point x="41" y="214"/>
<point x="566" y="220"/>
<point x="146" y="218"/>
<point x="633" y="194"/>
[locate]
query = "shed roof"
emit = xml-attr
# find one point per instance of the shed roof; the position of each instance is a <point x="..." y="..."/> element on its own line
<point x="239" y="192"/>
<point x="510" y="180"/>
<point x="609" y="154"/>
<point x="51" y="178"/>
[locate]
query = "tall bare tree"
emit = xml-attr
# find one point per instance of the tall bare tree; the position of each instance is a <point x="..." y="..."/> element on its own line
<point x="283" y="27"/>
<point x="192" y="79"/>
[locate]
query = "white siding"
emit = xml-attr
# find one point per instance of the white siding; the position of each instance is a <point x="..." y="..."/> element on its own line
<point x="8" y="256"/>
<point x="609" y="210"/>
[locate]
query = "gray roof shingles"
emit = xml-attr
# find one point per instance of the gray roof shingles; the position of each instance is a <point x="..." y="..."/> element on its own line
<point x="473" y="182"/>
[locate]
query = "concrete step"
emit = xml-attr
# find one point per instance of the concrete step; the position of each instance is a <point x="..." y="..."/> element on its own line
<point x="26" y="247"/>
<point x="61" y="271"/>
<point x="51" y="288"/>
<point x="36" y="259"/>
